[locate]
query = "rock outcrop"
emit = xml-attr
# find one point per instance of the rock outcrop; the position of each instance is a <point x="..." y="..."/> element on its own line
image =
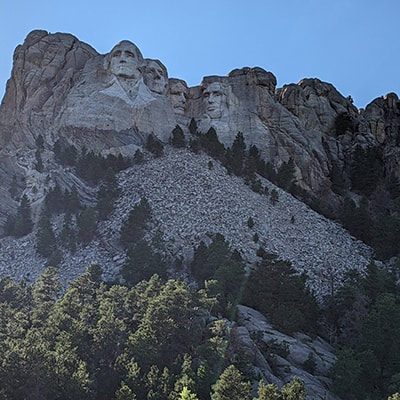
<point x="61" y="88"/>
<point x="284" y="355"/>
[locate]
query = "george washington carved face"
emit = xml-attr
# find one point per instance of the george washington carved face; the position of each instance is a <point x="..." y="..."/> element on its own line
<point x="124" y="60"/>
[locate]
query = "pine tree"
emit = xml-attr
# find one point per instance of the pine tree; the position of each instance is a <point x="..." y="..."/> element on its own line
<point x="45" y="238"/>
<point x="23" y="223"/>
<point x="87" y="225"/>
<point x="231" y="386"/>
<point x="178" y="137"/>
<point x="268" y="391"/>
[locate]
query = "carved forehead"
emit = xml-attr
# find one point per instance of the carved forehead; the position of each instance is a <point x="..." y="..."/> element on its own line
<point x="127" y="45"/>
<point x="177" y="85"/>
<point x="214" y="87"/>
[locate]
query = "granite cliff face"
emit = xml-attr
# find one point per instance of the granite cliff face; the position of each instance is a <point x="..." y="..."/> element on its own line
<point x="61" y="88"/>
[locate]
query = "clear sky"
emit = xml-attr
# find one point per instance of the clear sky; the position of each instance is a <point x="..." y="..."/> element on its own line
<point x="353" y="44"/>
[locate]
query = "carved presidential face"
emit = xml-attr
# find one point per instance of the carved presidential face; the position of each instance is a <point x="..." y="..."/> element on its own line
<point x="155" y="76"/>
<point x="214" y="100"/>
<point x="125" y="59"/>
<point x="178" y="95"/>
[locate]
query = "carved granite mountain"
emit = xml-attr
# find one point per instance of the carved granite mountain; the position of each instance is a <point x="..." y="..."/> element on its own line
<point x="62" y="88"/>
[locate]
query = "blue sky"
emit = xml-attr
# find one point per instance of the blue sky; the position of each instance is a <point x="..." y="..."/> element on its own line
<point x="353" y="44"/>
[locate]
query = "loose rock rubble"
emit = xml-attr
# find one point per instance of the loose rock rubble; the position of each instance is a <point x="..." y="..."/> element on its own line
<point x="191" y="201"/>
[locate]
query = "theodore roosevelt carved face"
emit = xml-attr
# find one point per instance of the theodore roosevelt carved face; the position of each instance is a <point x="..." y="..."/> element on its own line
<point x="178" y="93"/>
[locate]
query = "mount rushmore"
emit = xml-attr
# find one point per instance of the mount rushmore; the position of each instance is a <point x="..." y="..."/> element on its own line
<point x="62" y="88"/>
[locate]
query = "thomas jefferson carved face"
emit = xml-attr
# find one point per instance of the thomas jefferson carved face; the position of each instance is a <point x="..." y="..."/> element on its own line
<point x="214" y="99"/>
<point x="155" y="76"/>
<point x="178" y="95"/>
<point x="125" y="59"/>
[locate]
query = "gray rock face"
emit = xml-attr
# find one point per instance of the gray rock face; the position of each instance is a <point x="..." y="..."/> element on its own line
<point x="62" y="88"/>
<point x="287" y="355"/>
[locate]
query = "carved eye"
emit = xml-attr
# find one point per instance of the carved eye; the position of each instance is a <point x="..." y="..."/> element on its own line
<point x="116" y="53"/>
<point x="129" y="54"/>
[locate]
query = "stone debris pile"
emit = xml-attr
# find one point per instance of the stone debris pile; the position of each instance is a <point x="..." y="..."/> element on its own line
<point x="191" y="200"/>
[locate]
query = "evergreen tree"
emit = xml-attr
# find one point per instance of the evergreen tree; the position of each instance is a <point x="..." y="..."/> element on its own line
<point x="231" y="386"/>
<point x="142" y="263"/>
<point x="138" y="157"/>
<point x="275" y="289"/>
<point x="193" y="127"/>
<point x="133" y="228"/>
<point x="211" y="144"/>
<point x="45" y="238"/>
<point x="178" y="137"/>
<point x="294" y="390"/>
<point x="154" y="145"/>
<point x="186" y="394"/>
<point x="238" y="154"/>
<point x="268" y="391"/>
<point x="23" y="223"/>
<point x="68" y="236"/>
<point x="87" y="225"/>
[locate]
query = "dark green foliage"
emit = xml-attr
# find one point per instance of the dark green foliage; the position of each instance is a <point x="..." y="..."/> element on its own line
<point x="45" y="238"/>
<point x="256" y="186"/>
<point x="133" y="228"/>
<point x="67" y="236"/>
<point x="178" y="137"/>
<point x="231" y="386"/>
<point x="235" y="156"/>
<point x="371" y="360"/>
<point x="381" y="231"/>
<point x="194" y="145"/>
<point x="142" y="263"/>
<point x="152" y="341"/>
<point x="71" y="201"/>
<point x="65" y="155"/>
<point x="20" y="224"/>
<point x="276" y="290"/>
<point x="225" y="270"/>
<point x="250" y="222"/>
<point x="154" y="145"/>
<point x="106" y="195"/>
<point x="366" y="169"/>
<point x="138" y="157"/>
<point x="211" y="144"/>
<point x="54" y="201"/>
<point x="87" y="225"/>
<point x="193" y="127"/>
<point x="385" y="236"/>
<point x="338" y="183"/>
<point x="286" y="175"/>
